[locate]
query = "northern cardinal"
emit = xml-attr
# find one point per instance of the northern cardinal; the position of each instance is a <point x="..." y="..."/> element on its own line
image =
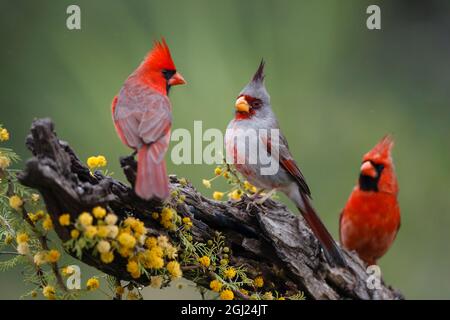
<point x="142" y="116"/>
<point x="254" y="112"/>
<point x="371" y="218"/>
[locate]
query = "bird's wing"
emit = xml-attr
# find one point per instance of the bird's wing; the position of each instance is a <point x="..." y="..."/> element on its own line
<point x="144" y="116"/>
<point x="288" y="163"/>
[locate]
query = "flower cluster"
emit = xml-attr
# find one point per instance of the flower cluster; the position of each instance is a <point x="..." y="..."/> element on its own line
<point x="238" y="187"/>
<point x="95" y="162"/>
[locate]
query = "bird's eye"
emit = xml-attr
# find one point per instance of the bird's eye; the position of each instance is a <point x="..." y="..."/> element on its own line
<point x="256" y="104"/>
<point x="168" y="74"/>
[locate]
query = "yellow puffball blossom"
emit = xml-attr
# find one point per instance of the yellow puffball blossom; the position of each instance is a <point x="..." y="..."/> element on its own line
<point x="22" y="238"/>
<point x="223" y="262"/>
<point x="206" y="183"/>
<point x="120" y="290"/>
<point x="133" y="269"/>
<point x="174" y="269"/>
<point x="111" y="219"/>
<point x="85" y="219"/>
<point x="5" y="162"/>
<point x="92" y="162"/>
<point x="9" y="239"/>
<point x="49" y="292"/>
<point x="107" y="257"/>
<point x="215" y="285"/>
<point x="171" y="252"/>
<point x="23" y="248"/>
<point x="99" y="212"/>
<point x="204" y="261"/>
<point x="267" y="296"/>
<point x="53" y="256"/>
<point x="230" y="273"/>
<point x="155" y="215"/>
<point x="15" y="202"/>
<point x="217" y="195"/>
<point x="47" y="224"/>
<point x="64" y="219"/>
<point x="40" y="258"/>
<point x="132" y="296"/>
<point x="236" y="194"/>
<point x="4" y="135"/>
<point x="74" y="234"/>
<point x="103" y="246"/>
<point x="102" y="231"/>
<point x="113" y="231"/>
<point x="126" y="240"/>
<point x="156" y="282"/>
<point x="101" y="160"/>
<point x="90" y="232"/>
<point x="35" y="197"/>
<point x="258" y="282"/>
<point x="227" y="295"/>
<point x="67" y="271"/>
<point x="167" y="214"/>
<point x="151" y="242"/>
<point x="163" y="242"/>
<point x="218" y="171"/>
<point x="92" y="284"/>
<point x="187" y="222"/>
<point x="33" y="217"/>
<point x="226" y="175"/>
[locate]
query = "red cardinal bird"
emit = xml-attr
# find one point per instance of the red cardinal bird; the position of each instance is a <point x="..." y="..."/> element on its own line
<point x="142" y="116"/>
<point x="254" y="113"/>
<point x="371" y="217"/>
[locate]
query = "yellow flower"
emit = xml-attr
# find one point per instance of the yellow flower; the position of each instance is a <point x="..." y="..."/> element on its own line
<point x="236" y="194"/>
<point x="217" y="195"/>
<point x="4" y="135"/>
<point x="107" y="257"/>
<point x="171" y="252"/>
<point x="5" y="162"/>
<point x="64" y="219"/>
<point x="230" y="273"/>
<point x="92" y="162"/>
<point x="174" y="269"/>
<point x="101" y="160"/>
<point x="227" y="295"/>
<point x="103" y="246"/>
<point x="126" y="240"/>
<point x="267" y="296"/>
<point x="9" y="239"/>
<point x="156" y="281"/>
<point x="53" y="256"/>
<point x="49" y="292"/>
<point x="258" y="282"/>
<point x="226" y="175"/>
<point x="132" y="296"/>
<point x="99" y="212"/>
<point x="35" y="197"/>
<point x="206" y="183"/>
<point x="92" y="284"/>
<point x="90" y="232"/>
<point x="218" y="171"/>
<point x="215" y="285"/>
<point x="163" y="242"/>
<point x="23" y="248"/>
<point x="151" y="242"/>
<point x="223" y="262"/>
<point x="167" y="214"/>
<point x="249" y="187"/>
<point x="120" y="290"/>
<point x="22" y="237"/>
<point x="67" y="271"/>
<point x="204" y="261"/>
<point x="40" y="258"/>
<point x="155" y="215"/>
<point x="15" y="202"/>
<point x="281" y="298"/>
<point x="183" y="181"/>
<point x="85" y="219"/>
<point x="113" y="231"/>
<point x="47" y="224"/>
<point x="74" y="234"/>
<point x="111" y="219"/>
<point x="187" y="222"/>
<point x="133" y="269"/>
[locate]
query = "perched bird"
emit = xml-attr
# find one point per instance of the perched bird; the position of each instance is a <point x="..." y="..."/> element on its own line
<point x="142" y="116"/>
<point x="254" y="114"/>
<point x="371" y="218"/>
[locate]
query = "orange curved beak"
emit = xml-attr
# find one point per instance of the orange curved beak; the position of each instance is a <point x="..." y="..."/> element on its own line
<point x="242" y="105"/>
<point x="176" y="79"/>
<point x="367" y="169"/>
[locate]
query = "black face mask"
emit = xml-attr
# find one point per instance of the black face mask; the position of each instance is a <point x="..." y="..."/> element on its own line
<point x="367" y="183"/>
<point x="168" y="74"/>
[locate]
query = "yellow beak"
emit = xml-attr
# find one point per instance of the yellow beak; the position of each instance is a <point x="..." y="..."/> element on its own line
<point x="242" y="105"/>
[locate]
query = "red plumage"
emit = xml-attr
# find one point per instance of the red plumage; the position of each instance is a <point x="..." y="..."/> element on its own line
<point x="142" y="116"/>
<point x="371" y="218"/>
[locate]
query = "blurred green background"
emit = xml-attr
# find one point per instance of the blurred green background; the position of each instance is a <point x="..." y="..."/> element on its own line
<point x="336" y="88"/>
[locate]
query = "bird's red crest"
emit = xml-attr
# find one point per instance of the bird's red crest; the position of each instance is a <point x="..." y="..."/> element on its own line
<point x="159" y="57"/>
<point x="381" y="153"/>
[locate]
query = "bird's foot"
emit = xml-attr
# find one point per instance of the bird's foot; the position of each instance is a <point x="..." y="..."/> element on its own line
<point x="258" y="199"/>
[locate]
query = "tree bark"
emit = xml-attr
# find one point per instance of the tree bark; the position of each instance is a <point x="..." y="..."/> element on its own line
<point x="268" y="240"/>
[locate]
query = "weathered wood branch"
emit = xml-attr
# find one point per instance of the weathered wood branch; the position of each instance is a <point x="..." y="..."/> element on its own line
<point x="270" y="241"/>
